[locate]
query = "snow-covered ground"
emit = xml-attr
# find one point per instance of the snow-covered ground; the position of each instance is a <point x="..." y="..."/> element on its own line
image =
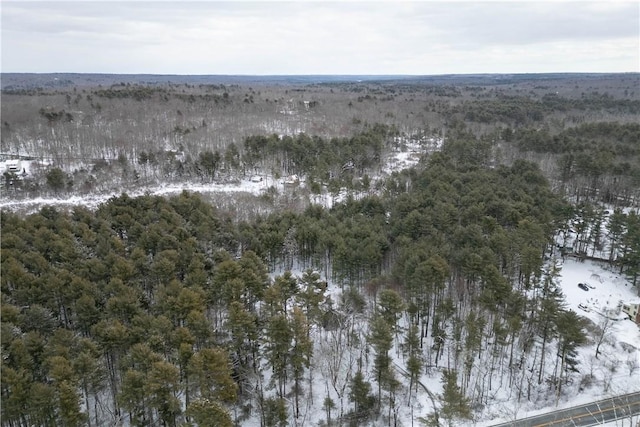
<point x="623" y="423"/>
<point x="20" y="167"/>
<point x="607" y="291"/>
<point x="617" y="369"/>
<point x="409" y="151"/>
<point x="92" y="201"/>
<point x="406" y="155"/>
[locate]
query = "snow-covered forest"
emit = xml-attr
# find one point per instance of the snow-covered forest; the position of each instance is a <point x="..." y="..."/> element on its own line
<point x="396" y="253"/>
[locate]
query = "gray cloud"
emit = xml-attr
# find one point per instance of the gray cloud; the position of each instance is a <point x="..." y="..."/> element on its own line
<point x="319" y="37"/>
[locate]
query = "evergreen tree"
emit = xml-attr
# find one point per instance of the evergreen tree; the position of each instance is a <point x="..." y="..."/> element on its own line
<point x="132" y="397"/>
<point x="209" y="413"/>
<point x="56" y="179"/>
<point x="549" y="307"/>
<point x="328" y="405"/>
<point x="571" y="335"/>
<point x="210" y="371"/>
<point x="380" y="338"/>
<point x="312" y="295"/>
<point x="274" y="412"/>
<point x="254" y="274"/>
<point x="67" y="397"/>
<point x="280" y="292"/>
<point x="162" y="387"/>
<point x="474" y="327"/>
<point x="390" y="307"/>
<point x="301" y="352"/>
<point x="360" y="395"/>
<point x="208" y="163"/>
<point x="277" y="346"/>
<point x="42" y="407"/>
<point x="630" y="262"/>
<point x="242" y="327"/>
<point x="615" y="232"/>
<point x="413" y="353"/>
<point x="16" y="398"/>
<point x="454" y="404"/>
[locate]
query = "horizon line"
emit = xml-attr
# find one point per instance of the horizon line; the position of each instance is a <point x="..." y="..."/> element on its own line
<point x="323" y="74"/>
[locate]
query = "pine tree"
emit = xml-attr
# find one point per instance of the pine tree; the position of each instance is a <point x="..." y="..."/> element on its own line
<point x="89" y="369"/>
<point x="454" y="404"/>
<point x="277" y="296"/>
<point x="630" y="263"/>
<point x="16" y="398"/>
<point x="132" y="397"/>
<point x="209" y="413"/>
<point x="391" y="386"/>
<point x="550" y="306"/>
<point x="595" y="231"/>
<point x="274" y="412"/>
<point x="41" y="407"/>
<point x="277" y="346"/>
<point x="254" y="274"/>
<point x="162" y="386"/>
<point x="413" y="353"/>
<point x="571" y="335"/>
<point x="210" y="371"/>
<point x="114" y="339"/>
<point x="226" y="285"/>
<point x="56" y="179"/>
<point x="328" y="405"/>
<point x="360" y="395"/>
<point x="67" y="397"/>
<point x="474" y="326"/>
<point x="390" y="307"/>
<point x="615" y="232"/>
<point x="242" y="327"/>
<point x="380" y="338"/>
<point x="301" y="352"/>
<point x="312" y="295"/>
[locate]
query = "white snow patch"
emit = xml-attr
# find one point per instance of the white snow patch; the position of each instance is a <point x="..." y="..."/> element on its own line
<point x="94" y="200"/>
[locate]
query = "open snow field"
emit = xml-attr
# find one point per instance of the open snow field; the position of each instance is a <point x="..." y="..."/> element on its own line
<point x="611" y="289"/>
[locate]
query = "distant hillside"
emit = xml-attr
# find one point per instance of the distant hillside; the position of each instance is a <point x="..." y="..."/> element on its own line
<point x="12" y="81"/>
<point x="63" y="80"/>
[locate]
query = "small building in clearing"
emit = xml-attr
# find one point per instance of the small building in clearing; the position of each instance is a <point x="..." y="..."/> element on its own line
<point x="291" y="180"/>
<point x="14" y="166"/>
<point x="11" y="166"/>
<point x="632" y="309"/>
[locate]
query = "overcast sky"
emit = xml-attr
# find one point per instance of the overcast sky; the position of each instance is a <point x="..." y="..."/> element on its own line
<point x="320" y="37"/>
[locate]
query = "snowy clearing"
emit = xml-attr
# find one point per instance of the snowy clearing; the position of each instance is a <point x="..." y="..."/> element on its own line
<point x="617" y="369"/>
